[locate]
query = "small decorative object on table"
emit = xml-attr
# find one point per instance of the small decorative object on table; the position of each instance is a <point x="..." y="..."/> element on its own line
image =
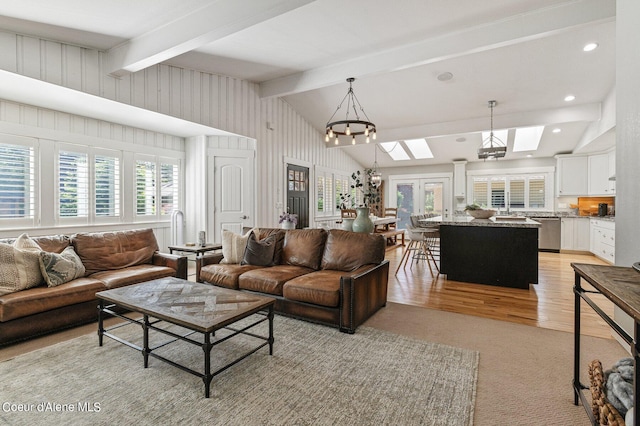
<point x="477" y="212"/>
<point x="288" y="220"/>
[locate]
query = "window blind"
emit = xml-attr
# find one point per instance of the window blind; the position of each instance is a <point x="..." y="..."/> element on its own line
<point x="145" y="188"/>
<point x="73" y="184"/>
<point x="170" y="189"/>
<point x="17" y="191"/>
<point x="107" y="186"/>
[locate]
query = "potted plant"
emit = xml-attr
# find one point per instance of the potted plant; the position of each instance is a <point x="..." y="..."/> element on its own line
<point x="288" y="220"/>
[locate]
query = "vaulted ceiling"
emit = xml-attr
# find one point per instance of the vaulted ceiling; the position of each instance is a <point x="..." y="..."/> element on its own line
<point x="525" y="54"/>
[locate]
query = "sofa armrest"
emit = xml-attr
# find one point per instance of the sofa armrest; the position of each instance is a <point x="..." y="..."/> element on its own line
<point x="362" y="294"/>
<point x="209" y="259"/>
<point x="179" y="263"/>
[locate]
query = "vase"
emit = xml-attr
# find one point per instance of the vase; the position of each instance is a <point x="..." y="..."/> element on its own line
<point x="362" y="223"/>
<point x="347" y="223"/>
<point x="287" y="225"/>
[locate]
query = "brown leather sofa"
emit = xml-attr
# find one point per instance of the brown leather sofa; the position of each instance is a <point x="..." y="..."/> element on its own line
<point x="111" y="259"/>
<point x="337" y="278"/>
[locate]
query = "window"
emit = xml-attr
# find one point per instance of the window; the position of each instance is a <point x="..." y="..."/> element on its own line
<point x="107" y="186"/>
<point x="157" y="195"/>
<point x="145" y="188"/>
<point x="522" y="191"/>
<point x="17" y="191"/>
<point x="169" y="190"/>
<point x="73" y="185"/>
<point x="330" y="185"/>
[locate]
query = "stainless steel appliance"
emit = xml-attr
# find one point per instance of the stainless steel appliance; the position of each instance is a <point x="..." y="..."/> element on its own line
<point x="603" y="209"/>
<point x="548" y="234"/>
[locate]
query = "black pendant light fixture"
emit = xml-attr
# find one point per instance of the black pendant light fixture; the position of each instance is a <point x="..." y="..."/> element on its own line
<point x="492" y="147"/>
<point x="350" y="127"/>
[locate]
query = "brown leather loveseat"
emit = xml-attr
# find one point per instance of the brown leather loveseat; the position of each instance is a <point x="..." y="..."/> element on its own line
<point x="334" y="277"/>
<point x="110" y="260"/>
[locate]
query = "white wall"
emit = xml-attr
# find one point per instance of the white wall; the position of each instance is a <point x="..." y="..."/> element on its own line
<point x="217" y="101"/>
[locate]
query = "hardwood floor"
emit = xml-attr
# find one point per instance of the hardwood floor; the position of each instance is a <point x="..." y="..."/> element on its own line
<point x="548" y="304"/>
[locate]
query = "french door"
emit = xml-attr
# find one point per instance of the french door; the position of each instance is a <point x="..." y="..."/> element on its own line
<point x="421" y="196"/>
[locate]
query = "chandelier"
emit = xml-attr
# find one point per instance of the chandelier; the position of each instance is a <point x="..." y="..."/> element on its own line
<point x="350" y="127"/>
<point x="492" y="147"/>
<point x="376" y="176"/>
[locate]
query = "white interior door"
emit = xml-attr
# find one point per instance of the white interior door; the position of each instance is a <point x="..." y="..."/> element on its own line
<point x="234" y="194"/>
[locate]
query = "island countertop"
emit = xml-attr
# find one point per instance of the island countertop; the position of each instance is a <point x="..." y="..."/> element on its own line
<point x="500" y="221"/>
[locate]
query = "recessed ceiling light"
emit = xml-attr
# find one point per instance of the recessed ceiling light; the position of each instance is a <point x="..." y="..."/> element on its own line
<point x="461" y="140"/>
<point x="590" y="46"/>
<point x="529" y="155"/>
<point x="556" y="130"/>
<point x="445" y="76"/>
<point x="569" y="98"/>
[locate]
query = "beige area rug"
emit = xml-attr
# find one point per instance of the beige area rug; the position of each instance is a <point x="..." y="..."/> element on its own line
<point x="525" y="372"/>
<point x="317" y="376"/>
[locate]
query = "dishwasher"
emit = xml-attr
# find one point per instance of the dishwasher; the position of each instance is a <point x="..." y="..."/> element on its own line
<point x="548" y="234"/>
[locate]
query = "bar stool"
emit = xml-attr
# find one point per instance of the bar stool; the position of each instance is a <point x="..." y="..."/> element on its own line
<point x="418" y="249"/>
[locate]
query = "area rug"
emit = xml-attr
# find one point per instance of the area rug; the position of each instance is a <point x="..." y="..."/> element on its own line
<point x="316" y="376"/>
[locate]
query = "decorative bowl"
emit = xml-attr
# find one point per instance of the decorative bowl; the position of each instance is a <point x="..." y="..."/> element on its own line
<point x="481" y="213"/>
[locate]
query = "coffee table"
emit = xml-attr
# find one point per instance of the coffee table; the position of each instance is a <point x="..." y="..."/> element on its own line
<point x="200" y="308"/>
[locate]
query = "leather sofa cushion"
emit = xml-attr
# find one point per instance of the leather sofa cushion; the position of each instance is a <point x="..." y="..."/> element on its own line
<point x="304" y="247"/>
<point x="340" y="255"/>
<point x="133" y="275"/>
<point x="319" y="288"/>
<point x="114" y="250"/>
<point x="225" y="275"/>
<point x="270" y="280"/>
<point x="42" y="299"/>
<point x="53" y="243"/>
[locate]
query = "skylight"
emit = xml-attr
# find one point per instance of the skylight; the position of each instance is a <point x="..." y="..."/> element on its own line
<point x="419" y="148"/>
<point x="395" y="150"/>
<point x="499" y="134"/>
<point x="527" y="138"/>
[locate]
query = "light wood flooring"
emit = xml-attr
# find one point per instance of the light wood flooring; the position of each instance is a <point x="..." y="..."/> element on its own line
<point x="548" y="304"/>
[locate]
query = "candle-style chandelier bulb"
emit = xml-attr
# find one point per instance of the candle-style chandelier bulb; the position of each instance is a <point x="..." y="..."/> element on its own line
<point x="348" y="131"/>
<point x="331" y="133"/>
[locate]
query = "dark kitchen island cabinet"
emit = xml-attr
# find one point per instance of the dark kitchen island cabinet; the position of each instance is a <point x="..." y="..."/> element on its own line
<point x="490" y="251"/>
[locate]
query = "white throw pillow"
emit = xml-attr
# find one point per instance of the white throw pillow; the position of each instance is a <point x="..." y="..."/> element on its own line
<point x="19" y="265"/>
<point x="233" y="246"/>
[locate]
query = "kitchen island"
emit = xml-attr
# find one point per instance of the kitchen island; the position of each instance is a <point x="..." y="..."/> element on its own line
<point x="500" y="251"/>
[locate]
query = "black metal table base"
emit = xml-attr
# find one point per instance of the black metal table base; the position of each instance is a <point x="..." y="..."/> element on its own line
<point x="207" y="344"/>
<point x="578" y="388"/>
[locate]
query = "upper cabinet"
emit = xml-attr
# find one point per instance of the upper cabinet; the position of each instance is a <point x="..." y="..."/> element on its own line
<point x="572" y="176"/>
<point x="582" y="175"/>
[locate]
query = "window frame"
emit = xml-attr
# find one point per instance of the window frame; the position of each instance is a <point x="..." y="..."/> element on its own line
<point x="509" y="175"/>
<point x="33" y="217"/>
<point x="158" y="162"/>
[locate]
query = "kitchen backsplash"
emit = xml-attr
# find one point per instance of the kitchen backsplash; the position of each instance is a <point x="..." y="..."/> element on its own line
<point x="588" y="206"/>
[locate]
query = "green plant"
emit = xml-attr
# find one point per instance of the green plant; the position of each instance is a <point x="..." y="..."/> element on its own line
<point x="362" y="183"/>
<point x="473" y="206"/>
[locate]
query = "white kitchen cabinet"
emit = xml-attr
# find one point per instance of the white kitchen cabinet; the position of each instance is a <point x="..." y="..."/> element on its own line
<point x="572" y="178"/>
<point x="459" y="179"/>
<point x="603" y="239"/>
<point x="599" y="183"/>
<point x="575" y="234"/>
<point x="611" y="155"/>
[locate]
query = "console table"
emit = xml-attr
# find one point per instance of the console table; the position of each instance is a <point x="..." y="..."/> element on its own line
<point x="621" y="286"/>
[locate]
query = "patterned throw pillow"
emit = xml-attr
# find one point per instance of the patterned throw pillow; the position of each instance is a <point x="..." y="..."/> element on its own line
<point x="19" y="265"/>
<point x="61" y="268"/>
<point x="233" y="246"/>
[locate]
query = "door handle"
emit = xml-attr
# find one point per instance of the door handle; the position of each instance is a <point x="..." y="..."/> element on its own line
<point x="244" y="217"/>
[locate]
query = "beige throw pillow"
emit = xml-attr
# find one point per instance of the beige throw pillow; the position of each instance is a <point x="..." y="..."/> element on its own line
<point x="19" y="265"/>
<point x="233" y="246"/>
